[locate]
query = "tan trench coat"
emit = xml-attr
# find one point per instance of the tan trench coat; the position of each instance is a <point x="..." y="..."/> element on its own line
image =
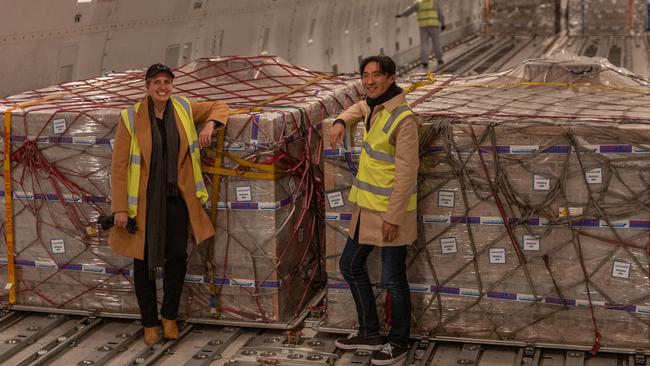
<point x="132" y="245"/>
<point x="407" y="162"/>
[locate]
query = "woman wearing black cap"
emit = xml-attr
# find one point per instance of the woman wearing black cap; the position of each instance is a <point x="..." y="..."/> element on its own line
<point x="156" y="180"/>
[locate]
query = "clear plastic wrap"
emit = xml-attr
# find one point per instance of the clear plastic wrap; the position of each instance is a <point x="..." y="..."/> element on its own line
<point x="266" y="261"/>
<point x="606" y="17"/>
<point x="533" y="204"/>
<point x="521" y="17"/>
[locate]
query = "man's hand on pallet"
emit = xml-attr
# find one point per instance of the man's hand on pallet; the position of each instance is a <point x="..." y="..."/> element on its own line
<point x="336" y="134"/>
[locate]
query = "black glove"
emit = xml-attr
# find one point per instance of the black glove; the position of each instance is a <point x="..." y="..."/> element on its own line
<point x="107" y="221"/>
<point x="443" y="27"/>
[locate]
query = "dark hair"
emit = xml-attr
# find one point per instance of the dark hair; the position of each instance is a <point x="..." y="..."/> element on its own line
<point x="386" y="64"/>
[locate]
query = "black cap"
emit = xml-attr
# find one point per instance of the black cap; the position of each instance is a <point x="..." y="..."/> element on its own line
<point x="155" y="69"/>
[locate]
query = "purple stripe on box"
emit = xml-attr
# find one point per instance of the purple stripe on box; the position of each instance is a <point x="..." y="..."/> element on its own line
<point x="331" y="152"/>
<point x="435" y="149"/>
<point x="533" y="221"/>
<point x="72" y="267"/>
<point x="345" y="217"/>
<point x="268" y="284"/>
<point x="221" y="281"/>
<point x="640" y="224"/>
<point x="446" y="290"/>
<point x="115" y="271"/>
<point x="24" y="262"/>
<point x="465" y="220"/>
<point x="499" y="149"/>
<point x="501" y="295"/>
<point x="255" y="128"/>
<point x="558" y="149"/>
<point x="244" y="205"/>
<point x="285" y="201"/>
<point x="559" y="301"/>
<point x="621" y="307"/>
<point x="616" y="148"/>
<point x="587" y="223"/>
<point x="338" y="285"/>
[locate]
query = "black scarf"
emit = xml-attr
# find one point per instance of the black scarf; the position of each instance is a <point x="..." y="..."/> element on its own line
<point x="163" y="177"/>
<point x="392" y="91"/>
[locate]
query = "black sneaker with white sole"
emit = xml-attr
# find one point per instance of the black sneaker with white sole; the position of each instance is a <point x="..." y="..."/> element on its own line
<point x="358" y="342"/>
<point x="389" y="354"/>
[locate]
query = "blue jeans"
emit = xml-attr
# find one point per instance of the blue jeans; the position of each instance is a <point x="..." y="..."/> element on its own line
<point x="393" y="264"/>
<point x="432" y="34"/>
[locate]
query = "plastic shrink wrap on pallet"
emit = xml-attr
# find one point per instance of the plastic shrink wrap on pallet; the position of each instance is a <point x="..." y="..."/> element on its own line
<point x="521" y="17"/>
<point x="266" y="260"/>
<point x="606" y="17"/>
<point x="533" y="204"/>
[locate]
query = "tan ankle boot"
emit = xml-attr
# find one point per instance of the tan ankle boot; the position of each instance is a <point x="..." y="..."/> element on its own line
<point x="170" y="329"/>
<point x="151" y="335"/>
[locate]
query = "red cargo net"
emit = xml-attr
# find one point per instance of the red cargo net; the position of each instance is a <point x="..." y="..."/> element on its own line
<point x="61" y="149"/>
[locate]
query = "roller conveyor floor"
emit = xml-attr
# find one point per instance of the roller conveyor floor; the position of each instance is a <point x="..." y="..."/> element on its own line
<point x="41" y="339"/>
<point x="484" y="54"/>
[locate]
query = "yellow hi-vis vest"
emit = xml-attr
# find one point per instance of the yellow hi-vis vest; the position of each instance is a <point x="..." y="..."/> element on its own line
<point x="428" y="13"/>
<point x="373" y="185"/>
<point x="183" y="107"/>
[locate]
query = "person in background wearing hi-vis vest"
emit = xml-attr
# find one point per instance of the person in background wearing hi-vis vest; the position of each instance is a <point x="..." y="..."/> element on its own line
<point x="431" y="21"/>
<point x="156" y="181"/>
<point x="384" y="192"/>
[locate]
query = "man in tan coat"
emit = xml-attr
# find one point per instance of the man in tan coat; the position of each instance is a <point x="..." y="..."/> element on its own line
<point x="384" y="190"/>
<point x="156" y="182"/>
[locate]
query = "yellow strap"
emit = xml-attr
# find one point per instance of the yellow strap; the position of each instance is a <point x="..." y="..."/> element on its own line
<point x="431" y="78"/>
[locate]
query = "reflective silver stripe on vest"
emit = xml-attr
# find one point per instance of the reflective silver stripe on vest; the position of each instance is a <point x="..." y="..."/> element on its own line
<point x="372" y="188"/>
<point x="194" y="146"/>
<point x="133" y="200"/>
<point x="131" y="114"/>
<point x="199" y="186"/>
<point x="185" y="105"/>
<point x="378" y="155"/>
<point x="135" y="159"/>
<point x="393" y="116"/>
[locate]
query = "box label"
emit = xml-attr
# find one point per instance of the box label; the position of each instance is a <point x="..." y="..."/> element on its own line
<point x="59" y="125"/>
<point x="448" y="245"/>
<point x="45" y="264"/>
<point x="621" y="269"/>
<point x="244" y="194"/>
<point x="58" y="246"/>
<point x="595" y="176"/>
<point x="446" y="199"/>
<point x="92" y="269"/>
<point x="83" y="140"/>
<point x="571" y="211"/>
<point x="193" y="278"/>
<point x="531" y="242"/>
<point x="497" y="255"/>
<point x="541" y="183"/>
<point x="335" y="199"/>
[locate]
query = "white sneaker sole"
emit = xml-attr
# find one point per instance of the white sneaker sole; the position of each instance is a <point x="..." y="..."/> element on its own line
<point x="388" y="362"/>
<point x="365" y="347"/>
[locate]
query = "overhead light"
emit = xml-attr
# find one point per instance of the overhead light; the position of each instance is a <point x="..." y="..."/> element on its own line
<point x="84" y="1"/>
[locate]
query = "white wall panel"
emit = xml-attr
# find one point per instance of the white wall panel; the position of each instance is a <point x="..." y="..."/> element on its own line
<point x="323" y="35"/>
